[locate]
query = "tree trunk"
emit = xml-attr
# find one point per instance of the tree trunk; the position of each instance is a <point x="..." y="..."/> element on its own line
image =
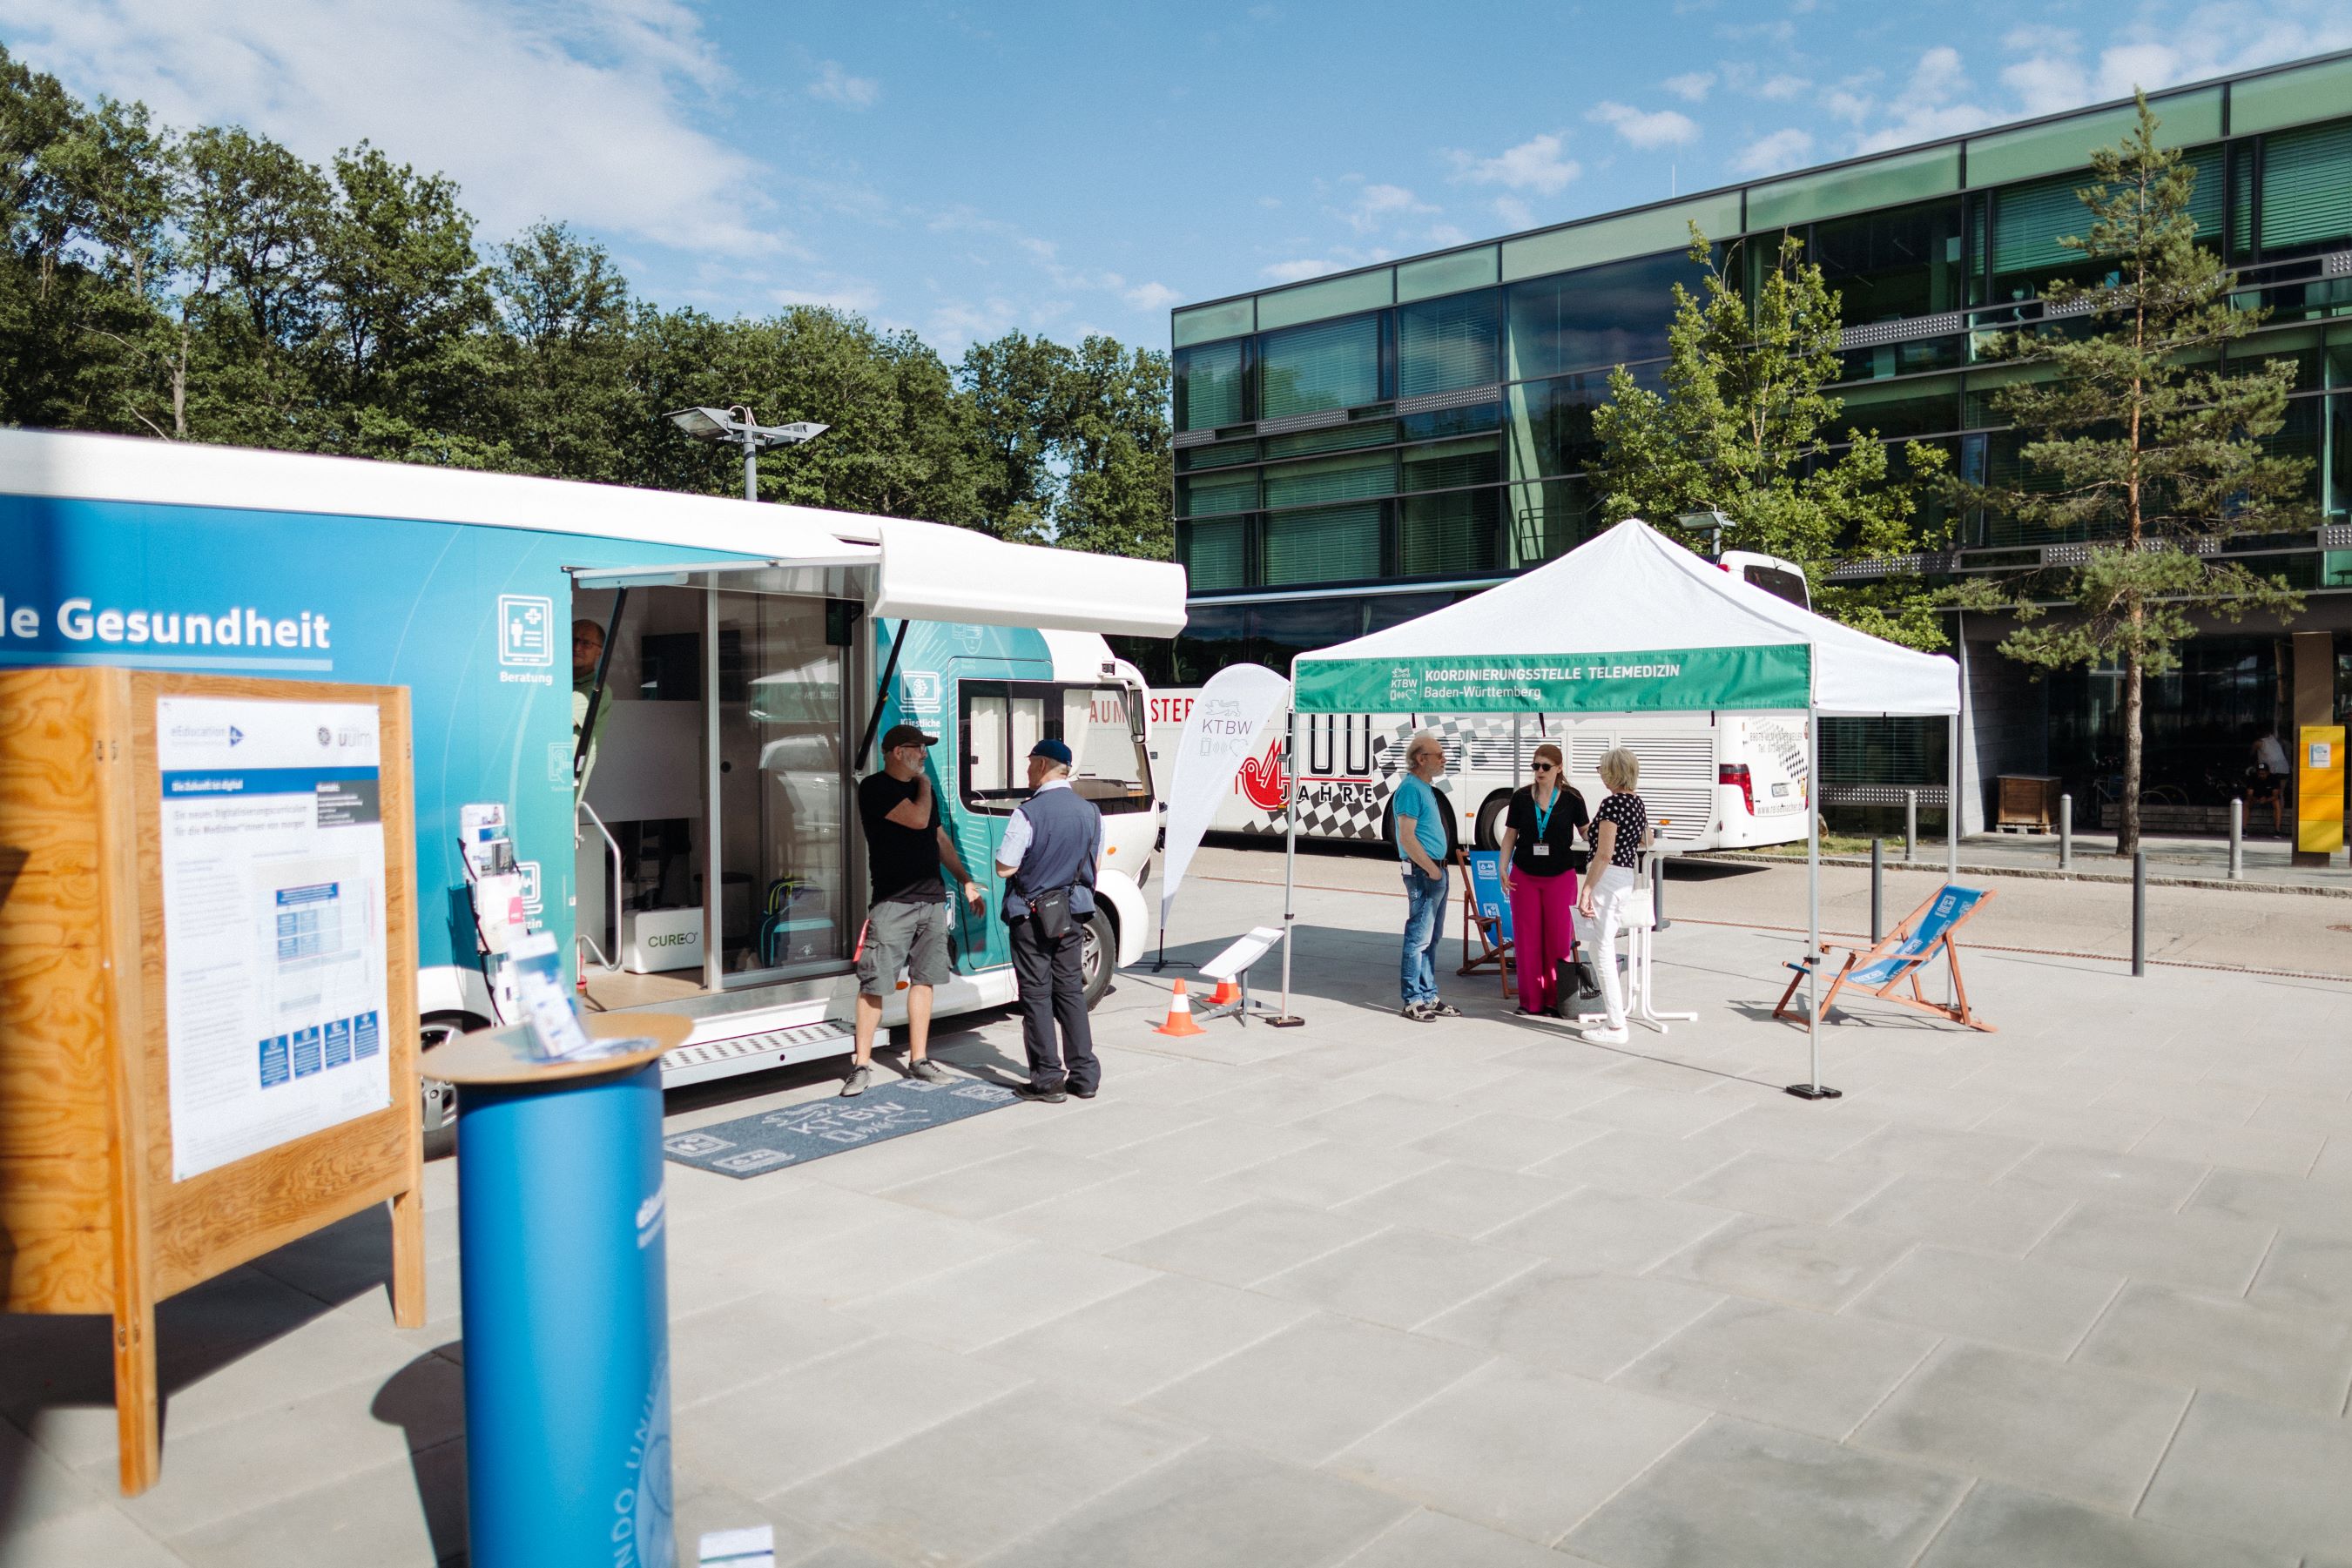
<point x="2128" y="832"/>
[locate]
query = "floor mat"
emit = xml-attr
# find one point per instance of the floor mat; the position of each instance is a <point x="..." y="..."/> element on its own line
<point x="751" y="1146"/>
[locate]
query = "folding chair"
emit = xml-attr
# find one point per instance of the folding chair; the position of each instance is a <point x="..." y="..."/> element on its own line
<point x="1909" y="949"/>
<point x="1486" y="912"/>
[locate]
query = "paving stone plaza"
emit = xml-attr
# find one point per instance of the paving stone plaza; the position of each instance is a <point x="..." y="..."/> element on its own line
<point x="2074" y="1295"/>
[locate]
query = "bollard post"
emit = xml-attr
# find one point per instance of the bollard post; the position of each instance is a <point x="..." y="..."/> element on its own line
<point x="1878" y="899"/>
<point x="2238" y="839"/>
<point x="2065" y="832"/>
<point x="2139" y="911"/>
<point x="1910" y="824"/>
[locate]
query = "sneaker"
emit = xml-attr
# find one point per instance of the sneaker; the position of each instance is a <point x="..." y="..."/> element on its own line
<point x="1042" y="1096"/>
<point x="860" y="1079"/>
<point x="1605" y="1036"/>
<point x="1444" y="1011"/>
<point x="924" y="1068"/>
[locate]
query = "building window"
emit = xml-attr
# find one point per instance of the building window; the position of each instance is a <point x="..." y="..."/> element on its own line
<point x="2307" y="191"/>
<point x="1331" y="479"/>
<point x="2029" y="220"/>
<point x="1215" y="495"/>
<point x="1456" y="534"/>
<point x="1548" y="519"/>
<point x="1334" y="543"/>
<point x="1211" y="385"/>
<point x="1886" y="266"/>
<point x="1444" y="345"/>
<point x="1603" y="316"/>
<point x="1212" y="554"/>
<point x="1280" y="633"/>
<point x="1330" y="365"/>
<point x="1552" y="426"/>
<point x="1452" y="465"/>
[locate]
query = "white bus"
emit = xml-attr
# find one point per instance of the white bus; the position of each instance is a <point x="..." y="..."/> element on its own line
<point x="1713" y="781"/>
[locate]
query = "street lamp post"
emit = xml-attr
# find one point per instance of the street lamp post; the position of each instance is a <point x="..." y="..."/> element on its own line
<point x="1712" y="524"/>
<point x="737" y="425"/>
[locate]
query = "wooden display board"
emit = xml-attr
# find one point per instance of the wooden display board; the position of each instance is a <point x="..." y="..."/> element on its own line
<point x="91" y="1219"/>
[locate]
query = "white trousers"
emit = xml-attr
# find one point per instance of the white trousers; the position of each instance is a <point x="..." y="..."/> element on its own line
<point x="1611" y="893"/>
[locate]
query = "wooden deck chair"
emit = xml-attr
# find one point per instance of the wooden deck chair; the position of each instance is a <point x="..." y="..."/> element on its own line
<point x="1486" y="913"/>
<point x="1908" y="949"/>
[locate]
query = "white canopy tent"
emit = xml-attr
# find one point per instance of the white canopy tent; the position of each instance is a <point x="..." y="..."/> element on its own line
<point x="1631" y="622"/>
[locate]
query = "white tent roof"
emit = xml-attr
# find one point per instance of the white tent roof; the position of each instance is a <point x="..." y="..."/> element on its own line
<point x="1607" y="627"/>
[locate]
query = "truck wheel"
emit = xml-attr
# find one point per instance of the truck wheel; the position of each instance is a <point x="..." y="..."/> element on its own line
<point x="1490" y="819"/>
<point x="1099" y="957"/>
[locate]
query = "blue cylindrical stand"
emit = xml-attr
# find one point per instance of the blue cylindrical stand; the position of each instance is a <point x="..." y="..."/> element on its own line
<point x="561" y="1217"/>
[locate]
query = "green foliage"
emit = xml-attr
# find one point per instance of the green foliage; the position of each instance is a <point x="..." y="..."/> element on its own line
<point x="2139" y="445"/>
<point x="1744" y="427"/>
<point x="215" y="287"/>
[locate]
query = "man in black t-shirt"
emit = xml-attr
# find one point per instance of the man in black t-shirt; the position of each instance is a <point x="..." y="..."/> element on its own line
<point x="907" y="923"/>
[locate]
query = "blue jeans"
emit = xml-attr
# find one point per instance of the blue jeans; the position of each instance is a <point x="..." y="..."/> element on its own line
<point x="1425" y="898"/>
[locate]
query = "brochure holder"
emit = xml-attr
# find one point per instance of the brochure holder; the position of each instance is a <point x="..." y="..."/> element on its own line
<point x="101" y="1210"/>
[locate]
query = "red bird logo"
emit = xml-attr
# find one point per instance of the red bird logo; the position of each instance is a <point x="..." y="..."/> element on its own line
<point x="1262" y="779"/>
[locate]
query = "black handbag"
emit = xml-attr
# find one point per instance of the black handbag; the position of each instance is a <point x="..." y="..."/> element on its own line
<point x="1051" y="910"/>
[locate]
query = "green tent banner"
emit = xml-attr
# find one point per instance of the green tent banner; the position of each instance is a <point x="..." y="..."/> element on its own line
<point x="1671" y="680"/>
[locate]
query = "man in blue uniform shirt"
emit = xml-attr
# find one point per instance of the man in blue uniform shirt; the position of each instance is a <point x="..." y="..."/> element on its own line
<point x="1052" y="848"/>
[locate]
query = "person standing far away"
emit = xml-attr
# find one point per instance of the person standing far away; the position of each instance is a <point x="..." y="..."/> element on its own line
<point x="587" y="650"/>
<point x="907" y="920"/>
<point x="1620" y="831"/>
<point x="1421" y="840"/>
<point x="1540" y="860"/>
<point x="1052" y="848"/>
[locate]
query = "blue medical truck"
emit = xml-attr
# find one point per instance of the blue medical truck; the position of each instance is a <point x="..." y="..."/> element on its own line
<point x="700" y="854"/>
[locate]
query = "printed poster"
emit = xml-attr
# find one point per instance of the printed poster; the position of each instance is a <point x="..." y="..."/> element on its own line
<point x="274" y="967"/>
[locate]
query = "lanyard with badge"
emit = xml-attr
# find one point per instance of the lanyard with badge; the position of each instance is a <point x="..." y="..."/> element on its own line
<point x="1543" y="821"/>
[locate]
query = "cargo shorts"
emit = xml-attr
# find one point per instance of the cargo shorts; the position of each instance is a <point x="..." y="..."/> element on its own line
<point x="909" y="935"/>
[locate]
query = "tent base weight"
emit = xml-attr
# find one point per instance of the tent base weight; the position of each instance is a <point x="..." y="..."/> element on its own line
<point x="1282" y="1020"/>
<point x="1815" y="1092"/>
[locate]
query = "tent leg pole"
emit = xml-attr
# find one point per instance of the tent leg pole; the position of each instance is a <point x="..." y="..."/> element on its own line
<point x="1285" y="1018"/>
<point x="1953" y="732"/>
<point x="1811" y="1088"/>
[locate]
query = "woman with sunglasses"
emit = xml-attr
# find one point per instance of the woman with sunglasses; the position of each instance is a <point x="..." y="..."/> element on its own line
<point x="1540" y="860"/>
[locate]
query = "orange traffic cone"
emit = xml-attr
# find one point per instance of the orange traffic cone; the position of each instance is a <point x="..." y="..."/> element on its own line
<point x="1227" y="995"/>
<point x="1180" y="1015"/>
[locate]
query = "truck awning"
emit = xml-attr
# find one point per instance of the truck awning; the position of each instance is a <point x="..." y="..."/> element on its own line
<point x="847" y="572"/>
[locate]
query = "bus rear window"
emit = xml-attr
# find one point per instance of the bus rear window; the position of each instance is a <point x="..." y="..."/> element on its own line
<point x="1779" y="584"/>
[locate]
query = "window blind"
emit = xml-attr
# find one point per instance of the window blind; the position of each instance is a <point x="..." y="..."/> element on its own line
<point x="2307" y="186"/>
<point x="1446" y="465"/>
<point x="1330" y="365"/>
<point x="1447" y="344"/>
<point x="1331" y="479"/>
<point x="1448" y="534"/>
<point x="1212" y="554"/>
<point x="2030" y="219"/>
<point x="1210" y="382"/>
<point x="1338" y="544"/>
<point x="1216" y="496"/>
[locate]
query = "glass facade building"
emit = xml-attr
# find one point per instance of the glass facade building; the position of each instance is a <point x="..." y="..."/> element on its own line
<point x="1352" y="450"/>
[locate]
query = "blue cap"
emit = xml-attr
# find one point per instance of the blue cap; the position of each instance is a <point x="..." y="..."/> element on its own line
<point x="1053" y="749"/>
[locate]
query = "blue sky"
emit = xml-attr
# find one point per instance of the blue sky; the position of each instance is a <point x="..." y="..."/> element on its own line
<point x="1064" y="169"/>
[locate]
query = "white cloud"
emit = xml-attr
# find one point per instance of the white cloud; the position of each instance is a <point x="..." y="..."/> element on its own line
<point x="837" y="86"/>
<point x="1770" y="154"/>
<point x="1691" y="86"/>
<point x="1292" y="271"/>
<point x="856" y="296"/>
<point x="1515" y="213"/>
<point x="1445" y="235"/>
<point x="584" y="114"/>
<point x="1534" y="164"/>
<point x="1377" y="205"/>
<point x="1664" y="128"/>
<point x="1151" y="297"/>
<point x="1783" y="87"/>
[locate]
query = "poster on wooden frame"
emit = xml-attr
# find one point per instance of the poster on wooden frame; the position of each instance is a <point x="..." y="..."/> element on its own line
<point x="207" y="991"/>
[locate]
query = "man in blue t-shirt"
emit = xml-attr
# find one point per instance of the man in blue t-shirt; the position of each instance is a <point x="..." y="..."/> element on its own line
<point x="1421" y="839"/>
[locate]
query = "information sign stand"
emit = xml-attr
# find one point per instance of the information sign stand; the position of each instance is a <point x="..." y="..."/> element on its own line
<point x="562" y="1221"/>
<point x="207" y="992"/>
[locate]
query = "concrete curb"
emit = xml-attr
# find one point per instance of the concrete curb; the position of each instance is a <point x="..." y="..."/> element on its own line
<point x="2221" y="884"/>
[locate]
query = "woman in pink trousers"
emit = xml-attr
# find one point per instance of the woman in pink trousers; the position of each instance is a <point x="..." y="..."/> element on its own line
<point x="1540" y="865"/>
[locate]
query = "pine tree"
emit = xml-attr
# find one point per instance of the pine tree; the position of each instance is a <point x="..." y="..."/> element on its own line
<point x="1744" y="427"/>
<point x="2138" y="441"/>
